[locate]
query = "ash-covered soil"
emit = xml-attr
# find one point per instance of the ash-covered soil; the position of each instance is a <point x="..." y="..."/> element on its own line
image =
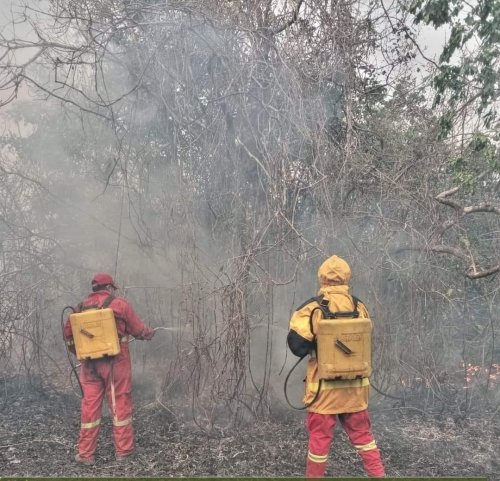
<point x="38" y="435"/>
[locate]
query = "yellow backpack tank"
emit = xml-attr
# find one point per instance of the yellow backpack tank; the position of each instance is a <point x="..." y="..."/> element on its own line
<point x="94" y="331"/>
<point x="343" y="343"/>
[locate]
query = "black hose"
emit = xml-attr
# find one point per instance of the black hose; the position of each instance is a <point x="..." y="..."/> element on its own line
<point x="73" y="368"/>
<point x="286" y="394"/>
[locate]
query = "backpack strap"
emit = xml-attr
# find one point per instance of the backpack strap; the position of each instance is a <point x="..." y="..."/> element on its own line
<point x="87" y="308"/>
<point x="355" y="300"/>
<point x="323" y="307"/>
<point x="108" y="301"/>
<point x="313" y="299"/>
<point x="104" y="305"/>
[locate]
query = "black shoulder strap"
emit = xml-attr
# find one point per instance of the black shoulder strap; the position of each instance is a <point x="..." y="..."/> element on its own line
<point x="355" y="300"/>
<point x="107" y="302"/>
<point x="323" y="307"/>
<point x="309" y="301"/>
<point x="88" y="308"/>
<point x="352" y="314"/>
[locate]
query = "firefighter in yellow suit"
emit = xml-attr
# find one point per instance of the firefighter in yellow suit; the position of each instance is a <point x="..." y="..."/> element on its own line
<point x="347" y="399"/>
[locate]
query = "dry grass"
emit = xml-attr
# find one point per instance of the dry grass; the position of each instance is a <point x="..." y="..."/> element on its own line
<point x="38" y="435"/>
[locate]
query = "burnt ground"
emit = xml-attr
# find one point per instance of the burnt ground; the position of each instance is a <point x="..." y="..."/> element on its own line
<point x="38" y="434"/>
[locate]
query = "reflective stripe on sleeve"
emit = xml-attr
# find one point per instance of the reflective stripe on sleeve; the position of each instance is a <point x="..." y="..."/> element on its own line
<point x="366" y="447"/>
<point x="91" y="425"/>
<point x="340" y="384"/>
<point x="315" y="458"/>
<point x="122" y="423"/>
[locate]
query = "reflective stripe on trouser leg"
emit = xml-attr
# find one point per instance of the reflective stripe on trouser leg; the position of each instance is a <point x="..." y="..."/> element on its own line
<point x="122" y="423"/>
<point x="357" y="427"/>
<point x="317" y="459"/>
<point x="365" y="447"/>
<point x="90" y="425"/>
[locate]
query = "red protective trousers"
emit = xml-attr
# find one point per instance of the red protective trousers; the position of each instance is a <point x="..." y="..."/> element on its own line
<point x="357" y="427"/>
<point x="113" y="377"/>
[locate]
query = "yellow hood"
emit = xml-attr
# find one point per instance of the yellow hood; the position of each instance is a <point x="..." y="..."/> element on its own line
<point x="334" y="271"/>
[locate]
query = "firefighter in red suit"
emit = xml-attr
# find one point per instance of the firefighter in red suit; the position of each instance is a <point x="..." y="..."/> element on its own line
<point x="110" y="376"/>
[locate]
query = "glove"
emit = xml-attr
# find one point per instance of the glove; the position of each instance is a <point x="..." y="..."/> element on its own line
<point x="148" y="334"/>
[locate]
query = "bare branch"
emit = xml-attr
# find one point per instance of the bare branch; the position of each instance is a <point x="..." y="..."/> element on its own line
<point x="290" y="22"/>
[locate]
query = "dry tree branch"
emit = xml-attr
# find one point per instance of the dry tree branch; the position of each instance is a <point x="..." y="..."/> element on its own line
<point x="290" y="22"/>
<point x="473" y="271"/>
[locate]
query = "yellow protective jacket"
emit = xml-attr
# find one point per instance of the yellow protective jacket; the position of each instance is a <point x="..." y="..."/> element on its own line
<point x="336" y="397"/>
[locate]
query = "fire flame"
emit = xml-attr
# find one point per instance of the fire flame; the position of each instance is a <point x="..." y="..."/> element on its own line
<point x="472" y="372"/>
